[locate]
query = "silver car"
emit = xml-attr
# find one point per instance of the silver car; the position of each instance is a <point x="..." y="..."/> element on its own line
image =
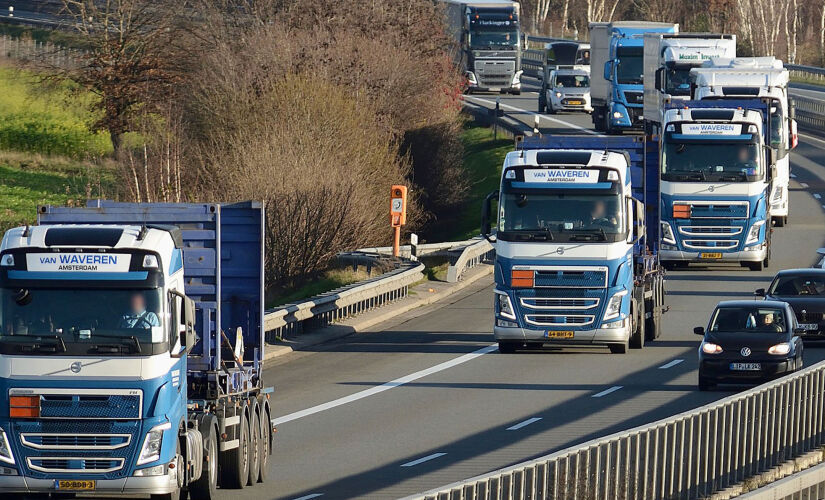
<point x="568" y="90"/>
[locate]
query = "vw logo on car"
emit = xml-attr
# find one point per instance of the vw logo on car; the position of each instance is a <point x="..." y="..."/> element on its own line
<point x="746" y="351"/>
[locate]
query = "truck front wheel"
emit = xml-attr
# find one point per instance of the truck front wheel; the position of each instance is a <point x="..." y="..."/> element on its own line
<point x="637" y="336"/>
<point x="180" y="474"/>
<point x="206" y="487"/>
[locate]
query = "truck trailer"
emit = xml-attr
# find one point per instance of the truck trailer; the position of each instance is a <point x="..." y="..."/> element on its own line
<point x="617" y="72"/>
<point x="131" y="344"/>
<point x="576" y="244"/>
<point x="488" y="37"/>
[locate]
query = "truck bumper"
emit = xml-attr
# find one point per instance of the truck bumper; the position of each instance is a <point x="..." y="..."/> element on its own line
<point x="154" y="485"/>
<point x="694" y="256"/>
<point x="600" y="336"/>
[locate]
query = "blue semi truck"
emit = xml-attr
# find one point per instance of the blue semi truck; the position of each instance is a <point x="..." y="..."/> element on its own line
<point x="577" y="244"/>
<point x="131" y="345"/>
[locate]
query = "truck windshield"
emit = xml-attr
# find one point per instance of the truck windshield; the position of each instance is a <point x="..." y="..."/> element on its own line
<point x="572" y="81"/>
<point x="677" y="80"/>
<point x="630" y="65"/>
<point x="486" y="39"/>
<point x="711" y="161"/>
<point x="562" y="216"/>
<point x="80" y="321"/>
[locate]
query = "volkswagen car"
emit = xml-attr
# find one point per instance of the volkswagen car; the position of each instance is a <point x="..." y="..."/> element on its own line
<point x="804" y="290"/>
<point x="568" y="89"/>
<point x="749" y="342"/>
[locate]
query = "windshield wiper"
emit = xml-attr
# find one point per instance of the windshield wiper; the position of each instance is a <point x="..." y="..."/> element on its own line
<point x="38" y="347"/>
<point x="587" y="233"/>
<point x="733" y="176"/>
<point x="135" y="343"/>
<point x="539" y="234"/>
<point x="698" y="175"/>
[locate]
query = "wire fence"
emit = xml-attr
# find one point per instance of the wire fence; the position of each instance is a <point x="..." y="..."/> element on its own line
<point x="46" y="53"/>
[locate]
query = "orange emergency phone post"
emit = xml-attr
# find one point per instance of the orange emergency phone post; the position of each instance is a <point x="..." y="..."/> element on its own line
<point x="398" y="215"/>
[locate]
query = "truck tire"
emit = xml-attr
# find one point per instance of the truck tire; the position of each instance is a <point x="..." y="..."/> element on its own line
<point x="653" y="328"/>
<point x="175" y="495"/>
<point x="234" y="463"/>
<point x="756" y="266"/>
<point x="637" y="337"/>
<point x="506" y="347"/>
<point x="618" y="348"/>
<point x="254" y="442"/>
<point x="705" y="384"/>
<point x="266" y="440"/>
<point x="206" y="487"/>
<point x="542" y="105"/>
<point x="550" y="109"/>
<point x="780" y="221"/>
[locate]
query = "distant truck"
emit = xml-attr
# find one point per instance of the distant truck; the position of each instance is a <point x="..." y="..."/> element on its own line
<point x="488" y="35"/>
<point x="668" y="59"/>
<point x="617" y="72"/>
<point x="764" y="78"/>
<point x="716" y="173"/>
<point x="576" y="244"/>
<point x="566" y="53"/>
<point x="566" y="88"/>
<point x="132" y="345"/>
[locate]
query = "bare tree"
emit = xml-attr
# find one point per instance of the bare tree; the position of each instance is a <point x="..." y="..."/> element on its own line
<point x="600" y="10"/>
<point x="659" y="10"/>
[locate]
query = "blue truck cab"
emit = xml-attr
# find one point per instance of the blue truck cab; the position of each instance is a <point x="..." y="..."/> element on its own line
<point x="717" y="173"/>
<point x="617" y="76"/>
<point x="575" y="264"/>
<point x="130" y="351"/>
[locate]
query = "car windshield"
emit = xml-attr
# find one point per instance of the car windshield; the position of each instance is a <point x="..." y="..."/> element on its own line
<point x="711" y="162"/>
<point x="793" y="286"/>
<point x="82" y="318"/>
<point x="677" y="80"/>
<point x="630" y="68"/>
<point x="572" y="81"/>
<point x="564" y="216"/>
<point x="748" y="319"/>
<point x="482" y="39"/>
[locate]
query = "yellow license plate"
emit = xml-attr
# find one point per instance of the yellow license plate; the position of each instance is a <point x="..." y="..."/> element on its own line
<point x="574" y="103"/>
<point x="74" y="485"/>
<point x="559" y="335"/>
<point x="711" y="255"/>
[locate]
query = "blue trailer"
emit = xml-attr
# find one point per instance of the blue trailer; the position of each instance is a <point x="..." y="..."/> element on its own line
<point x="577" y="243"/>
<point x="131" y="348"/>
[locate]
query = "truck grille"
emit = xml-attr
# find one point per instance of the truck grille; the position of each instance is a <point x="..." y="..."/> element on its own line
<point x="571" y="278"/>
<point x="553" y="320"/>
<point x="90" y="406"/>
<point x="634" y="97"/>
<point x="810" y="317"/>
<point x="560" y="303"/>
<point x="42" y="441"/>
<point x="91" y="465"/>
<point x="711" y="244"/>
<point x="719" y="210"/>
<point x="495" y="73"/>
<point x="710" y="230"/>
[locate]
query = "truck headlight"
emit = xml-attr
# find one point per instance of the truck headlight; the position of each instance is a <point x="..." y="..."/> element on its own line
<point x="152" y="444"/>
<point x="614" y="305"/>
<point x="5" y="449"/>
<point x="558" y="94"/>
<point x="504" y="306"/>
<point x="157" y="470"/>
<point x="753" y="234"/>
<point x="667" y="234"/>
<point x="617" y="114"/>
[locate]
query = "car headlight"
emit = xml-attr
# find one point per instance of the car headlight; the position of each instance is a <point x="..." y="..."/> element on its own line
<point x="780" y="349"/>
<point x="614" y="305"/>
<point x="152" y="444"/>
<point x="5" y="450"/>
<point x="710" y="348"/>
<point x="617" y="114"/>
<point x="558" y="94"/>
<point x="753" y="234"/>
<point x="667" y="234"/>
<point x="505" y="307"/>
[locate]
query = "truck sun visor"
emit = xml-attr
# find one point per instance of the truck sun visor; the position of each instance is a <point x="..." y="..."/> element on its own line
<point x="83" y="236"/>
<point x="563" y="157"/>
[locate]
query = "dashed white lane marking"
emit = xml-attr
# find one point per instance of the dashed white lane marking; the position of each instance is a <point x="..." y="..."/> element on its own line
<point x="817" y="196"/>
<point x="423" y="459"/>
<point x="385" y="387"/>
<point x="541" y="117"/>
<point x="607" y="391"/>
<point x="671" y="364"/>
<point x="307" y="497"/>
<point x="804" y="184"/>
<point x="523" y="424"/>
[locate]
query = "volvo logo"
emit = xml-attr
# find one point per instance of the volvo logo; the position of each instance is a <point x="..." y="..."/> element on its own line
<point x="746" y="351"/>
<point x="560" y="250"/>
<point x="76" y="367"/>
<point x="711" y="188"/>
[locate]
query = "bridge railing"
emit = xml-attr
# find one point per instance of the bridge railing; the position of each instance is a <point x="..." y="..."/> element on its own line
<point x="687" y="456"/>
<point x="810" y="113"/>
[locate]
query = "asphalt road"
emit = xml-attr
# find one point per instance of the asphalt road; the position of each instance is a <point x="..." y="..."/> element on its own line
<point x="433" y="413"/>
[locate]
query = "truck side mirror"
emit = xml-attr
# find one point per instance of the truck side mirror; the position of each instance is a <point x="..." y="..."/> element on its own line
<point x="791" y="108"/>
<point x="658" y="79"/>
<point x="189" y="323"/>
<point x="182" y="323"/>
<point x="793" y="140"/>
<point x="608" y="70"/>
<point x="486" y="216"/>
<point x="639" y="226"/>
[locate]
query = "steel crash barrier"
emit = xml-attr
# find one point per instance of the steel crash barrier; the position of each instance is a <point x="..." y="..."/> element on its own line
<point x="810" y="113"/>
<point x="290" y="320"/>
<point x="688" y="456"/>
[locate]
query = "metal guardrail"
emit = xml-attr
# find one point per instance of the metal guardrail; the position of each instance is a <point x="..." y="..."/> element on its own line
<point x="687" y="456"/>
<point x="807" y="72"/>
<point x="471" y="256"/>
<point x="807" y="484"/>
<point x="810" y="113"/>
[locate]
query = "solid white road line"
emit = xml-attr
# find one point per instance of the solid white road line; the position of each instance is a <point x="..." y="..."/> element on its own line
<point x="523" y="424"/>
<point x="671" y="364"/>
<point x="541" y="117"/>
<point x="423" y="459"/>
<point x="607" y="391"/>
<point x="385" y="387"/>
<point x="804" y="185"/>
<point x="307" y="497"/>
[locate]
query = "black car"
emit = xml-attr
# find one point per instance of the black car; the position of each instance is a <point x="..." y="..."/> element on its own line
<point x="804" y="290"/>
<point x="748" y="341"/>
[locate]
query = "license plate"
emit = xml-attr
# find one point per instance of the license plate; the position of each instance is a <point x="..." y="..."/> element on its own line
<point x="574" y="103"/>
<point x="74" y="485"/>
<point x="559" y="335"/>
<point x="745" y="367"/>
<point x="809" y="326"/>
<point x="710" y="255"/>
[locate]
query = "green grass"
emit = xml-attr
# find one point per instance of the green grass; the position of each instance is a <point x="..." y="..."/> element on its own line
<point x="329" y="280"/>
<point x="51" y="120"/>
<point x="28" y="180"/>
